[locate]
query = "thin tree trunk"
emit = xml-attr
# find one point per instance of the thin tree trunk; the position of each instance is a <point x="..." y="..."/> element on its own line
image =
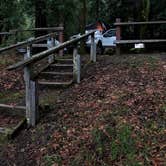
<point x="40" y="16"/>
<point x="83" y="22"/>
<point x="40" y="20"/>
<point x="97" y="9"/>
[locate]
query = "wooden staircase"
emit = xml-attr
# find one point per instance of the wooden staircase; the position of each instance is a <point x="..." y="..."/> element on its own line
<point x="58" y="74"/>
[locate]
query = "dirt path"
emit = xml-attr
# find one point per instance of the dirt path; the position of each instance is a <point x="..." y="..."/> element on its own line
<point x="116" y="116"/>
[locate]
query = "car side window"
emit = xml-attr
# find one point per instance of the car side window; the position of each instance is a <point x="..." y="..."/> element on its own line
<point x="109" y="34"/>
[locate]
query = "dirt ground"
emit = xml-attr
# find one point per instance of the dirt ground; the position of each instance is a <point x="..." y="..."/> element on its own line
<point x="115" y="116"/>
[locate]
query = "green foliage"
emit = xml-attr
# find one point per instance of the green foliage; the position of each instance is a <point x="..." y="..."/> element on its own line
<point x="50" y="160"/>
<point x="109" y="145"/>
<point x="123" y="144"/>
<point x="120" y="144"/>
<point x="10" y="15"/>
<point x="21" y="13"/>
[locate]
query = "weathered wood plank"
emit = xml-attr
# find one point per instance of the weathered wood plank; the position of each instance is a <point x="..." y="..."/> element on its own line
<point x="61" y="65"/>
<point x="139" y="41"/>
<point x="50" y="44"/>
<point x="118" y="30"/>
<point x="76" y="65"/>
<point x="118" y="36"/>
<point x="8" y="133"/>
<point x="61" y="40"/>
<point x="56" y="73"/>
<point x="139" y="23"/>
<point x="12" y="106"/>
<point x="56" y="83"/>
<point x="93" y="49"/>
<point x="64" y="60"/>
<point x="31" y="93"/>
<point x="12" y="110"/>
<point x="6" y="33"/>
<point x="40" y="45"/>
<point x="57" y="29"/>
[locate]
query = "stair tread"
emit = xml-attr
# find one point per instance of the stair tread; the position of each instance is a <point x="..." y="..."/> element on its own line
<point x="61" y="65"/>
<point x="55" y="83"/>
<point x="57" y="73"/>
<point x="64" y="59"/>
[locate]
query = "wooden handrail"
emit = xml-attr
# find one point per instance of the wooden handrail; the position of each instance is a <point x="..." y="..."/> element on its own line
<point x="139" y="23"/>
<point x="46" y="53"/>
<point x="27" y="42"/>
<point x="6" y="33"/>
<point x="57" y="29"/>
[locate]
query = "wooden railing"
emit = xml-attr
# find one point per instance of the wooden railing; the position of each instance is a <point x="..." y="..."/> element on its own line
<point x="28" y="42"/>
<point x="30" y="75"/>
<point x="6" y="33"/>
<point x="15" y="32"/>
<point x="119" y="41"/>
<point x="52" y="29"/>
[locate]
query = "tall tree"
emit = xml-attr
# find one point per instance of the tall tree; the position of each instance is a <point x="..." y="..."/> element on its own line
<point x="83" y="14"/>
<point x="97" y="9"/>
<point x="40" y="16"/>
<point x="144" y="16"/>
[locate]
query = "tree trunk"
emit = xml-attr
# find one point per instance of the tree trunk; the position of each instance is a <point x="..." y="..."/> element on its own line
<point x="40" y="16"/>
<point x="145" y="17"/>
<point x="83" y="22"/>
<point x="97" y="9"/>
<point x="40" y="20"/>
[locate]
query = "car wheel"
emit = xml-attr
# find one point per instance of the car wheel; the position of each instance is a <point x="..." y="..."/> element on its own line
<point x="99" y="49"/>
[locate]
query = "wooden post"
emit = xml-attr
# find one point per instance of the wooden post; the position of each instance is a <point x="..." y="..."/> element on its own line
<point x="93" y="49"/>
<point x="50" y="44"/>
<point x="118" y="36"/>
<point x="61" y="39"/>
<point x="31" y="93"/>
<point x="76" y="65"/>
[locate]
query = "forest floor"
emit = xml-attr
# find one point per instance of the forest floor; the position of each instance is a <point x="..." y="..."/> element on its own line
<point x="115" y="116"/>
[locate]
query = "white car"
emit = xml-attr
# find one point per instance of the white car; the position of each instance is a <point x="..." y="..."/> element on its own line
<point x="103" y="41"/>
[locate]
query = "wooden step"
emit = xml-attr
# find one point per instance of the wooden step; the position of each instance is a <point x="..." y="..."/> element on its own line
<point x="57" y="73"/>
<point x="49" y="83"/>
<point x="61" y="65"/>
<point x="12" y="110"/>
<point x="65" y="60"/>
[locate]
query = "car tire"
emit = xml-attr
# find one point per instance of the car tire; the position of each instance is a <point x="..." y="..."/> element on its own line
<point x="99" y="48"/>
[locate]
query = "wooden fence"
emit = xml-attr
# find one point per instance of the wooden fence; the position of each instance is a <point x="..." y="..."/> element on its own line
<point x="30" y="75"/>
<point x="120" y="42"/>
<point x="15" y="32"/>
<point x="29" y="42"/>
